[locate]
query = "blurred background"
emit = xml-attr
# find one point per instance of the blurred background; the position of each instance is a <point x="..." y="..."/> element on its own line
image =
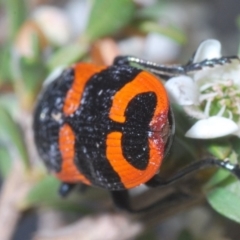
<point x="38" y="36"/>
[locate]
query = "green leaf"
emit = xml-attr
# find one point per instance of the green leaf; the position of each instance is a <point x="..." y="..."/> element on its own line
<point x="217" y="178"/>
<point x="32" y="74"/>
<point x="10" y="102"/>
<point x="32" y="70"/>
<point x="5" y="161"/>
<point x="10" y="133"/>
<point x="220" y="148"/>
<point x="152" y="12"/>
<point x="168" y="30"/>
<point x="45" y="194"/>
<point x="221" y="176"/>
<point x="235" y="141"/>
<point x="108" y="17"/>
<point x="5" y="59"/>
<point x="45" y="190"/>
<point x="67" y="55"/>
<point x="226" y="201"/>
<point x="16" y="12"/>
<point x="28" y="73"/>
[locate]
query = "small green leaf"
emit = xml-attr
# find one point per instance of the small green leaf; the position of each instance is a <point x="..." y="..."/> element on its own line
<point x="10" y="132"/>
<point x="226" y="201"/>
<point x="43" y="191"/>
<point x="32" y="74"/>
<point x="16" y="12"/>
<point x="235" y="141"/>
<point x="217" y="178"/>
<point x="220" y="149"/>
<point x="168" y="30"/>
<point x="67" y="55"/>
<point x="5" y="161"/>
<point x="10" y="102"/>
<point x="32" y="69"/>
<point x="36" y="46"/>
<point x="108" y="16"/>
<point x="151" y="12"/>
<point x="5" y="60"/>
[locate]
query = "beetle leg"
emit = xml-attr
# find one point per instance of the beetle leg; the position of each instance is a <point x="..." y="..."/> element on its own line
<point x="208" y="63"/>
<point x="66" y="188"/>
<point x="161" y="70"/>
<point x="122" y="200"/>
<point x="234" y="169"/>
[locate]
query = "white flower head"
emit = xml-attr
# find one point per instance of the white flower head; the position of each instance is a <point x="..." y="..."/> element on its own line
<point x="211" y="95"/>
<point x="208" y="49"/>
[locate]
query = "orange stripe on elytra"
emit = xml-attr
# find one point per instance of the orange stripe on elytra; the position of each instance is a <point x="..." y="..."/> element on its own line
<point x="130" y="176"/>
<point x="143" y="82"/>
<point x="69" y="173"/>
<point x="83" y="72"/>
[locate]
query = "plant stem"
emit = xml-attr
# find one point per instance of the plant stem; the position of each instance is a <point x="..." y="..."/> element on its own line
<point x="14" y="189"/>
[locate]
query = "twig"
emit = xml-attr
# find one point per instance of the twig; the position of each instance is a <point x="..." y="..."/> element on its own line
<point x="13" y="191"/>
<point x="100" y="227"/>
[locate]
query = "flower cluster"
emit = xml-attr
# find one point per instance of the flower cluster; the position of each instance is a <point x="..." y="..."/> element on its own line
<point x="210" y="95"/>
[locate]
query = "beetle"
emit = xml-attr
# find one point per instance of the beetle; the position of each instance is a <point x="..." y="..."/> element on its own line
<point x="112" y="126"/>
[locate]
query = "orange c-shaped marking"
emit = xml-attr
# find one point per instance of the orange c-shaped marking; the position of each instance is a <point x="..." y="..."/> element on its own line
<point x="83" y="72"/>
<point x="143" y="82"/>
<point x="130" y="176"/>
<point x="69" y="172"/>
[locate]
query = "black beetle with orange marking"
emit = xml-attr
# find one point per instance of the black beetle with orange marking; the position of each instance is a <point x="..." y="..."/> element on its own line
<point x="111" y="127"/>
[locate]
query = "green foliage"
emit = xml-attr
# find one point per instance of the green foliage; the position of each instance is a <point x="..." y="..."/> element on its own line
<point x="28" y="73"/>
<point x="5" y="161"/>
<point x="107" y="17"/>
<point x="220" y="148"/>
<point x="5" y="74"/>
<point x="168" y="30"/>
<point x="17" y="13"/>
<point x="45" y="194"/>
<point x="67" y="55"/>
<point x="32" y="74"/>
<point x="235" y="142"/>
<point x="11" y="134"/>
<point x="152" y="12"/>
<point x="226" y="200"/>
<point x="219" y="177"/>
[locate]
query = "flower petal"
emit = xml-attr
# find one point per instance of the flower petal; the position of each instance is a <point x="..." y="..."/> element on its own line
<point x="182" y="90"/>
<point x="212" y="127"/>
<point x="208" y="49"/>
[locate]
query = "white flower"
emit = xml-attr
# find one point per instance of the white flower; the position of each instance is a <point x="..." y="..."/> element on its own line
<point x="211" y="95"/>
